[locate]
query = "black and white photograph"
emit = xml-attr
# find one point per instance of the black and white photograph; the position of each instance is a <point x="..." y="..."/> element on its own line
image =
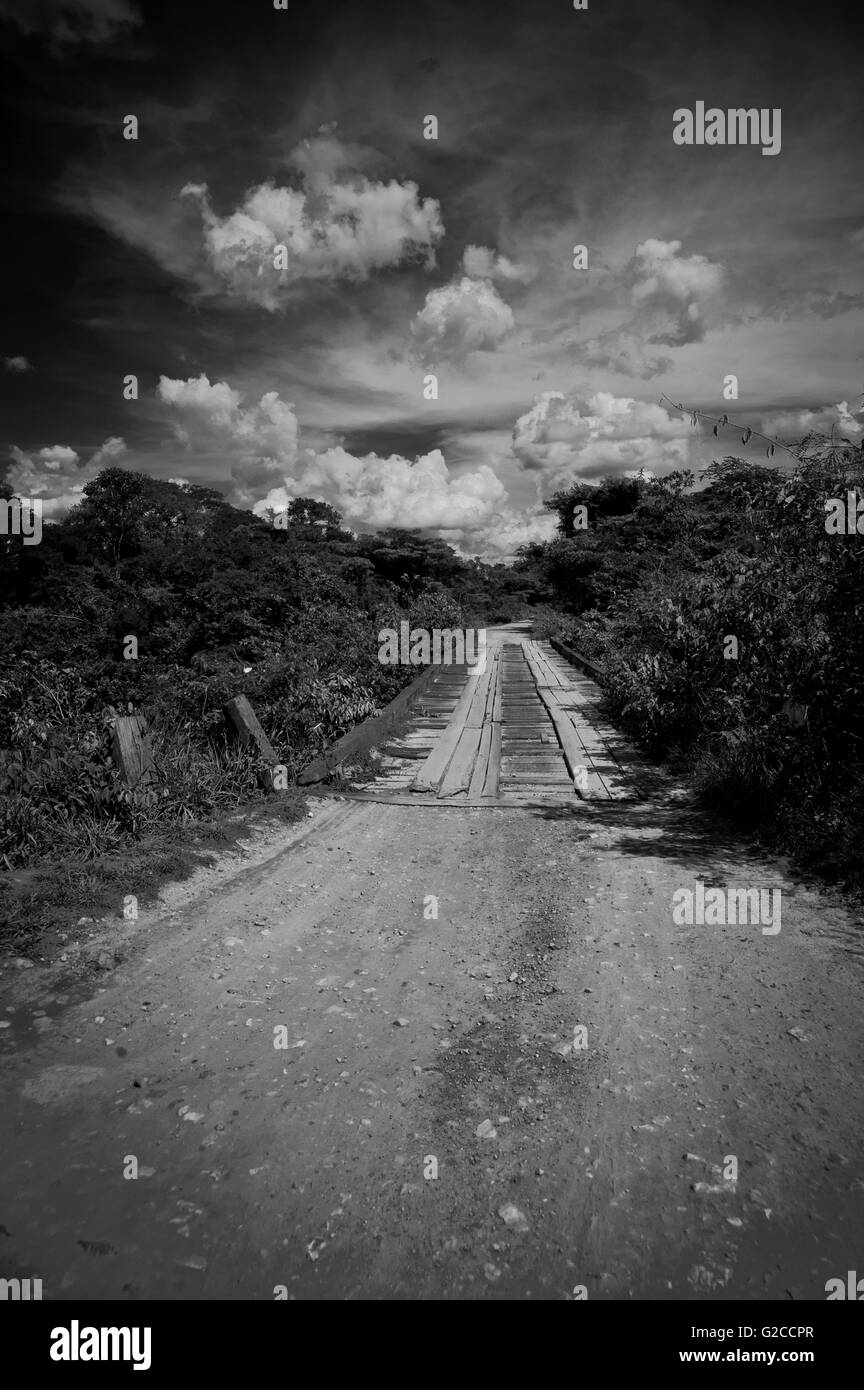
<point x="431" y="668"/>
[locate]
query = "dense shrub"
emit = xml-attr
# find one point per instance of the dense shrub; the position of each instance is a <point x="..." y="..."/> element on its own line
<point x="775" y="735"/>
<point x="220" y="602"/>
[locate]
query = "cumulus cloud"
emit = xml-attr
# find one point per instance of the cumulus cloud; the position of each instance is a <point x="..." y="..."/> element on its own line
<point x="669" y="299"/>
<point x="214" y="403"/>
<point x="480" y="263"/>
<point x="674" y="294"/>
<point x="108" y="453"/>
<point x="334" y="226"/>
<point x="17" y="364"/>
<point x="467" y="316"/>
<point x="261" y="442"/>
<point x="794" y="424"/>
<point x="57" y="474"/>
<point x="372" y="492"/>
<point x="69" y="22"/>
<point x="566" y="437"/>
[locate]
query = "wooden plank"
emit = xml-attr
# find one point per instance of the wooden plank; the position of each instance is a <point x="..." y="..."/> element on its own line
<point x="543" y="671"/>
<point x="245" y="721"/>
<point x="431" y="773"/>
<point x="460" y="773"/>
<point x="481" y="765"/>
<point x="520" y="762"/>
<point x="493" y="769"/>
<point x="367" y="734"/>
<point x="576" y="659"/>
<point x="590" y="786"/>
<point x="603" y="778"/>
<point x="132" y="751"/>
<point x="477" y="708"/>
<point x="529" y="738"/>
<point x="562" y="785"/>
<point x="494" y="685"/>
<point x="609" y="753"/>
<point x="618" y="786"/>
<point x="457" y="778"/>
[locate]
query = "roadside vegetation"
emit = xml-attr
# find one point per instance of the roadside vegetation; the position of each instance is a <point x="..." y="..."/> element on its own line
<point x="770" y="724"/>
<point x="220" y="603"/>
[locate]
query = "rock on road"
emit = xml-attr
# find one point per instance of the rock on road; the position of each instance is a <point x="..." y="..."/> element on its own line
<point x="417" y="1045"/>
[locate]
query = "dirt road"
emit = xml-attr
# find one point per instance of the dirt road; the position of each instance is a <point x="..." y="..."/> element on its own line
<point x="308" y="1168"/>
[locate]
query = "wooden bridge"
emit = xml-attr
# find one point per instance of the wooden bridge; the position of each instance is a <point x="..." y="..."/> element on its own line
<point x="525" y="729"/>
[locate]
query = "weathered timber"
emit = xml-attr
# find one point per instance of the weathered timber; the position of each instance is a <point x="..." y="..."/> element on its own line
<point x="576" y="659"/>
<point x="619" y="765"/>
<point x="457" y="778"/>
<point x="472" y="751"/>
<point x="523" y="733"/>
<point x="368" y="734"/>
<point x="245" y="721"/>
<point x="468" y="715"/>
<point x="490" y="781"/>
<point x="571" y="743"/>
<point x="131" y="750"/>
<point x="478" y="775"/>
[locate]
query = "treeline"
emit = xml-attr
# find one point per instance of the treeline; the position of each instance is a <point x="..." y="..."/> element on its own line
<point x="728" y="620"/>
<point x="219" y="602"/>
<point x="728" y="615"/>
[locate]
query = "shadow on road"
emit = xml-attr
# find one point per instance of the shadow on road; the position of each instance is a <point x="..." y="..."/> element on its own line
<point x="695" y="837"/>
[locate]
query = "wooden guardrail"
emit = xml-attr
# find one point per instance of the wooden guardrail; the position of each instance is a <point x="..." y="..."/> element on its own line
<point x="576" y="659"/>
<point x="367" y="734"/>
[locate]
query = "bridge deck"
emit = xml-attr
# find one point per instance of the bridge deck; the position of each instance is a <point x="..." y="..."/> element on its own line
<point x="527" y="728"/>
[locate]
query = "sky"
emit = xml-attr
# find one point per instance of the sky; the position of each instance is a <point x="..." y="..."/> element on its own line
<point x="284" y="259"/>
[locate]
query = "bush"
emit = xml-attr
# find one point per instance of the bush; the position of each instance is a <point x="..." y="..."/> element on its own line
<point x="774" y="733"/>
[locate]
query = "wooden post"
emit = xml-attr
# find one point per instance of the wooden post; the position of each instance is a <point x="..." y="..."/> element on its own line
<point x="244" y="719"/>
<point x="131" y="750"/>
<point x="795" y="713"/>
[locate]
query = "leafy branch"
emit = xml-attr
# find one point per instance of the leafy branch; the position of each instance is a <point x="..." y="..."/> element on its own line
<point x="723" y="421"/>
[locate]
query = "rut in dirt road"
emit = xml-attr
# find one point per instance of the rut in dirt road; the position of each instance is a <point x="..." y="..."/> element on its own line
<point x="506" y="1073"/>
